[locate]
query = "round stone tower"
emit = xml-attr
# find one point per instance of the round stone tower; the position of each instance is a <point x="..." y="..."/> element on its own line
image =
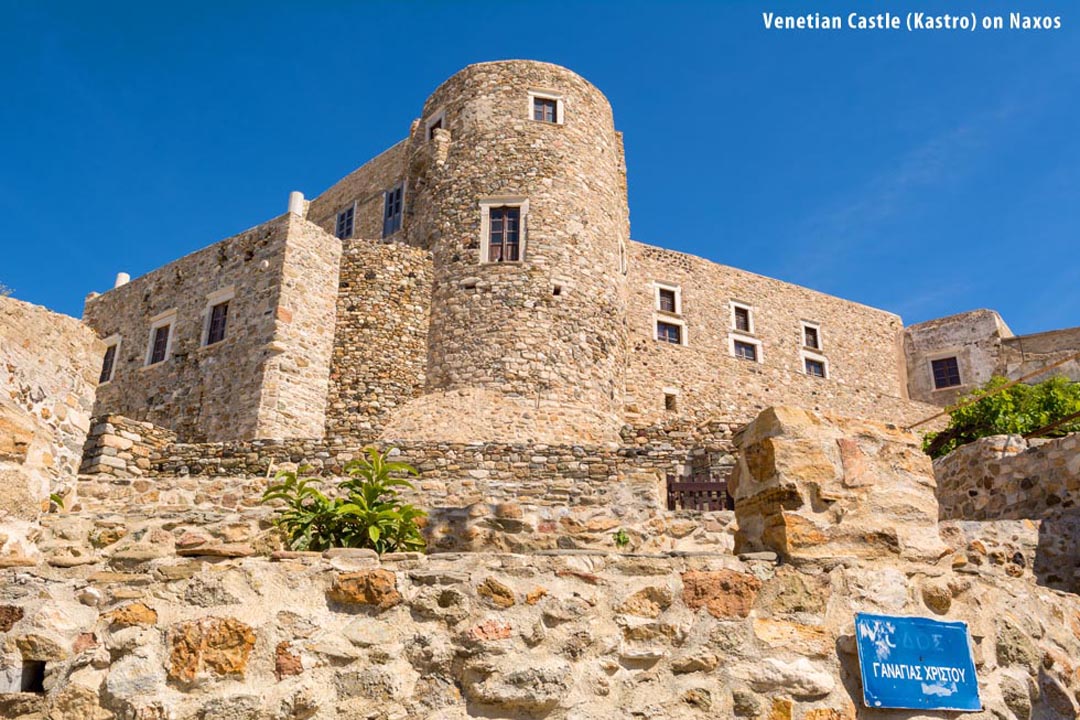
<point x="517" y="184"/>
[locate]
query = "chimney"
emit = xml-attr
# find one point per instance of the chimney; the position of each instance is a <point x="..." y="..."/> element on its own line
<point x="122" y="278"/>
<point x="296" y="203"/>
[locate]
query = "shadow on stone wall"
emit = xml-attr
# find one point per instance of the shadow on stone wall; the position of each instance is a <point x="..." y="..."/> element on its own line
<point x="1057" y="556"/>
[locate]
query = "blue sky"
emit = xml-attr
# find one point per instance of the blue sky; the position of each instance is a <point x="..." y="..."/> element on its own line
<point x="925" y="174"/>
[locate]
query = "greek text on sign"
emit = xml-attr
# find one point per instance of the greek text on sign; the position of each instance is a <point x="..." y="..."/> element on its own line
<point x="916" y="663"/>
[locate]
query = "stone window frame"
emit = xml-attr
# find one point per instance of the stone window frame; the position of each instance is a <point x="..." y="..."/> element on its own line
<point x="659" y="285"/>
<point x="223" y="295"/>
<point x="663" y="317"/>
<point x="816" y="327"/>
<point x="759" y="352"/>
<point x="749" y="317"/>
<point x="805" y="355"/>
<point x="160" y="320"/>
<point x="671" y="399"/>
<point x="489" y="202"/>
<point x="113" y="341"/>
<point x="437" y="118"/>
<point x="944" y="355"/>
<point x="337" y="221"/>
<point x="535" y="95"/>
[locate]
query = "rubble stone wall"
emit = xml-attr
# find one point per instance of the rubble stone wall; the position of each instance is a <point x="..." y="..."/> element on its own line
<point x="380" y="341"/>
<point x="49" y="367"/>
<point x="1008" y="477"/>
<point x="268" y="377"/>
<point x="1025" y="354"/>
<point x="195" y="613"/>
<point x="363" y="189"/>
<point x="123" y="447"/>
<point x="860" y="345"/>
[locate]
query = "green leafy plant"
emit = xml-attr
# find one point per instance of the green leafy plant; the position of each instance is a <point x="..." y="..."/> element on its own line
<point x="1018" y="410"/>
<point x="621" y="538"/>
<point x="363" y="512"/>
<point x="57" y="499"/>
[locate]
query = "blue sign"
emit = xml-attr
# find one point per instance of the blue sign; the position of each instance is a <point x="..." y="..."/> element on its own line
<point x="916" y="663"/>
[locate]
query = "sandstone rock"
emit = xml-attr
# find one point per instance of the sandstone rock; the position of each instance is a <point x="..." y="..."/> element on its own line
<point x="937" y="597"/>
<point x="487" y="631"/>
<point x="41" y="648"/>
<point x="781" y="709"/>
<point x="510" y="687"/>
<point x="723" y="593"/>
<point x="234" y="707"/>
<point x="9" y="615"/>
<point x="803" y="639"/>
<point x="495" y="593"/>
<point x="745" y="703"/>
<point x="377" y="588"/>
<point x="285" y="662"/>
<point x="1014" y="647"/>
<point x="220" y="646"/>
<point x="133" y="614"/>
<point x="1017" y="696"/>
<point x="801" y="678"/>
<point x="697" y="661"/>
<point x="648" y="602"/>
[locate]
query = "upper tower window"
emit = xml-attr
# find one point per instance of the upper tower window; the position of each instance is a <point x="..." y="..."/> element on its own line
<point x="504" y="242"/>
<point x="435" y="122"/>
<point x="740" y="318"/>
<point x="668" y="298"/>
<point x="160" y="346"/>
<point x="392" y="207"/>
<point x="108" y="363"/>
<point x="219" y="314"/>
<point x="811" y="336"/>
<point x="545" y="107"/>
<point x="344" y="228"/>
<point x="946" y="373"/>
<point x="503" y="229"/>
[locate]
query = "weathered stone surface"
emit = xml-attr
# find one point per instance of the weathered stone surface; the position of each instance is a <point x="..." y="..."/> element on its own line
<point x="723" y="593"/>
<point x="536" y="687"/>
<point x="220" y="646"/>
<point x="9" y="615"/>
<point x="648" y="602"/>
<point x="495" y="593"/>
<point x="132" y="614"/>
<point x="367" y="587"/>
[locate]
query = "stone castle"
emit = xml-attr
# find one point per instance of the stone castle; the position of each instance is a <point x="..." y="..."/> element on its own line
<point x="477" y="281"/>
<point x="471" y="298"/>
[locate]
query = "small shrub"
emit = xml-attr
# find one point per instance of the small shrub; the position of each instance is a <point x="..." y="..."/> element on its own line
<point x="365" y="511"/>
<point x="621" y="538"/>
<point x="1019" y="410"/>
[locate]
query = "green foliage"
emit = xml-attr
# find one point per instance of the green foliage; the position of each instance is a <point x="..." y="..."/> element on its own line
<point x="364" y="512"/>
<point x="1017" y="411"/>
<point x="57" y="499"/>
<point x="621" y="538"/>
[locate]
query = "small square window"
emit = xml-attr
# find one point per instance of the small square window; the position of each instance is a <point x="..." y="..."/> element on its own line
<point x="108" y="364"/>
<point x="810" y="337"/>
<point x="946" y="372"/>
<point x="667" y="300"/>
<point x="745" y="350"/>
<point x="219" y="315"/>
<point x="742" y="319"/>
<point x="392" y="208"/>
<point x="815" y="368"/>
<point x="437" y="125"/>
<point x="546" y="109"/>
<point x="670" y="402"/>
<point x="669" y="332"/>
<point x="344" y="228"/>
<point x="160" y="344"/>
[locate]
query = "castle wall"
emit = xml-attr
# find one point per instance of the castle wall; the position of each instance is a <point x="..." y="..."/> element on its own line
<point x="529" y="350"/>
<point x="973" y="338"/>
<point x="268" y="377"/>
<point x="380" y="340"/>
<point x="49" y="366"/>
<point x="363" y="188"/>
<point x="859" y="344"/>
<point x="1025" y="354"/>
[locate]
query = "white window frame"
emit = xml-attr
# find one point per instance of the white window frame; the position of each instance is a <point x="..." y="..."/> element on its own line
<point x="741" y="337"/>
<point x="225" y="294"/>
<point x="342" y="211"/>
<point x="659" y="317"/>
<point x="673" y="392"/>
<point x="546" y="95"/>
<point x="439" y="116"/>
<point x="749" y="316"/>
<point x="114" y="340"/>
<point x="805" y="355"/>
<point x="816" y="327"/>
<point x="659" y="285"/>
<point x="942" y="355"/>
<point x="161" y="319"/>
<point x="496" y="201"/>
